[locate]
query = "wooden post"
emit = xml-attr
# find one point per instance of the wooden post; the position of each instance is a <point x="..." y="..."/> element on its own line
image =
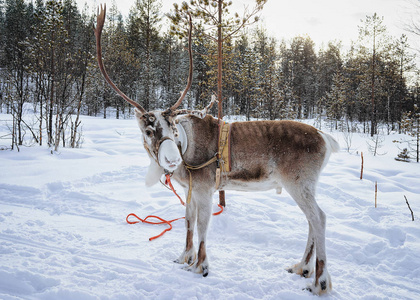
<point x="361" y="170"/>
<point x="222" y="200"/>
<point x="376" y="194"/>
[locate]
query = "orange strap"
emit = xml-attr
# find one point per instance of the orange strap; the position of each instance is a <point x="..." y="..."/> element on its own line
<point x="163" y="221"/>
<point x="169" y="183"/>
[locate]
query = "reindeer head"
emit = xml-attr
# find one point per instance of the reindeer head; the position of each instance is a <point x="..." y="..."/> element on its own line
<point x="159" y="135"/>
<point x="158" y="127"/>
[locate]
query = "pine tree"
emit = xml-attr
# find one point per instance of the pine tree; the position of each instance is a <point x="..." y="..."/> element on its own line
<point x="299" y="65"/>
<point x="49" y="52"/>
<point x="335" y="99"/>
<point x="203" y="70"/>
<point x="411" y="124"/>
<point x="84" y="58"/>
<point x="373" y="39"/>
<point x="218" y="26"/>
<point x="404" y="63"/>
<point x="272" y="101"/>
<point x="2" y="39"/>
<point x="18" y="19"/>
<point x="143" y="31"/>
<point x="246" y="87"/>
<point x="329" y="64"/>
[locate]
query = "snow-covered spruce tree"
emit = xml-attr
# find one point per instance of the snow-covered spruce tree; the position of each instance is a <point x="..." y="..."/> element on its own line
<point x="411" y="125"/>
<point x="271" y="101"/>
<point x="298" y="66"/>
<point x="246" y="87"/>
<point x="397" y="87"/>
<point x="329" y="63"/>
<point x="335" y="99"/>
<point x="403" y="156"/>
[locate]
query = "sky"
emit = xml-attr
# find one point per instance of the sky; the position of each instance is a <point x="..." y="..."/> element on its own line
<point x="322" y="20"/>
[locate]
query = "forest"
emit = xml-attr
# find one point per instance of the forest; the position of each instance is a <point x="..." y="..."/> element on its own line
<point x="48" y="65"/>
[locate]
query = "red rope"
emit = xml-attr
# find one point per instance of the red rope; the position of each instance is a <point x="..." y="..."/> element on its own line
<point x="163" y="221"/>
<point x="169" y="183"/>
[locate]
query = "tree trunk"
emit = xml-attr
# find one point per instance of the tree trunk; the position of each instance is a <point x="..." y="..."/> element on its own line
<point x="373" y="119"/>
<point x="222" y="200"/>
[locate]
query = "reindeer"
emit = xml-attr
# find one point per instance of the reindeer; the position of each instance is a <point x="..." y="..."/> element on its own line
<point x="265" y="155"/>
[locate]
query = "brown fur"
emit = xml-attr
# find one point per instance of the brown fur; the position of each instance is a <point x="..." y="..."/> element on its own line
<point x="199" y="150"/>
<point x="293" y="145"/>
<point x="190" y="234"/>
<point x="309" y="256"/>
<point x="319" y="267"/>
<point x="201" y="253"/>
<point x="283" y="140"/>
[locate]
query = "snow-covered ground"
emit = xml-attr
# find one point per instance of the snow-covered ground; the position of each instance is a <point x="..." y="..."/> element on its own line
<point x="63" y="233"/>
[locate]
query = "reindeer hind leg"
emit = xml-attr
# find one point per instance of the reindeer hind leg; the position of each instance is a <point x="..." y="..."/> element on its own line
<point x="304" y="195"/>
<point x="306" y="266"/>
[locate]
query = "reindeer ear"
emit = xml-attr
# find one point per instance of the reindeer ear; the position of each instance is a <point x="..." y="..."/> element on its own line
<point x="138" y="113"/>
<point x="198" y="113"/>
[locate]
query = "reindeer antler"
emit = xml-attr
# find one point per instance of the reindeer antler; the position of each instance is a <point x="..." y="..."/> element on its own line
<point x="198" y="113"/>
<point x="98" y="31"/>
<point x="190" y="75"/>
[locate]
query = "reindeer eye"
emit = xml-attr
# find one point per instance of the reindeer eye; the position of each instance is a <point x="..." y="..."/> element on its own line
<point x="149" y="132"/>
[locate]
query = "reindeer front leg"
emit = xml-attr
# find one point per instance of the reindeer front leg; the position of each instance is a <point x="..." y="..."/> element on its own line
<point x="203" y="202"/>
<point x="189" y="254"/>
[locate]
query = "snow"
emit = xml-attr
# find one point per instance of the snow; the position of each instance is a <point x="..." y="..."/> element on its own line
<point x="63" y="233"/>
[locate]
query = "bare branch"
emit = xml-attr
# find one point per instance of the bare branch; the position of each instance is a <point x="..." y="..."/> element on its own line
<point x="408" y="204"/>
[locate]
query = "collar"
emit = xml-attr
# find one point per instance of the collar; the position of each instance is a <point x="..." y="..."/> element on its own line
<point x="182" y="138"/>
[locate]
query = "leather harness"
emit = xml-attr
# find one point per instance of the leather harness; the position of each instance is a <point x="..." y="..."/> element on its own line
<point x="222" y="157"/>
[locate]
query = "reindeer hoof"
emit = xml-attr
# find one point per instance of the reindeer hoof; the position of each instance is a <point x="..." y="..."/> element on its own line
<point x="205" y="271"/>
<point x="302" y="270"/>
<point x="198" y="269"/>
<point x="187" y="257"/>
<point x="323" y="287"/>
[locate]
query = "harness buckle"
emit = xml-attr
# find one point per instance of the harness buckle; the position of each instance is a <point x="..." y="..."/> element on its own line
<point x="168" y="172"/>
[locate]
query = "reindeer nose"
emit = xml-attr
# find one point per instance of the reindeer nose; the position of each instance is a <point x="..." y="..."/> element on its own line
<point x="169" y="157"/>
<point x="173" y="162"/>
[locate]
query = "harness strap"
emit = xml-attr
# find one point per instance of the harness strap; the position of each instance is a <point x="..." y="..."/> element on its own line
<point x="190" y="167"/>
<point x="224" y="146"/>
<point x="209" y="162"/>
<point x="223" y="151"/>
<point x="153" y="154"/>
